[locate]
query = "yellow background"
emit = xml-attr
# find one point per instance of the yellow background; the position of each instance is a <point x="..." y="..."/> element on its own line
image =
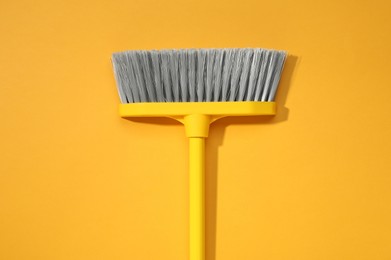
<point x="78" y="182"/>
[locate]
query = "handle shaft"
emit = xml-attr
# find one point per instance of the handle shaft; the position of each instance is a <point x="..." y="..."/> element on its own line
<point x="197" y="197"/>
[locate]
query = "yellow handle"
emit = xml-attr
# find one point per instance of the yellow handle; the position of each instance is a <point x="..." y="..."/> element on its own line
<point x="197" y="116"/>
<point x="197" y="197"/>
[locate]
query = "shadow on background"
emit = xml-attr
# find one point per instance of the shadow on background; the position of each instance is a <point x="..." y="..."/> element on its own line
<point x="215" y="140"/>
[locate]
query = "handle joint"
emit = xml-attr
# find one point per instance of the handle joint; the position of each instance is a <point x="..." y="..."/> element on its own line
<point x="197" y="125"/>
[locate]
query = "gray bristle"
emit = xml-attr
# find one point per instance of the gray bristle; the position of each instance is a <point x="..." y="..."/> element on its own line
<point x="198" y="75"/>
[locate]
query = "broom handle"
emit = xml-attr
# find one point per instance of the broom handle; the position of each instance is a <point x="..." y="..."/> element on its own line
<point x="197" y="197"/>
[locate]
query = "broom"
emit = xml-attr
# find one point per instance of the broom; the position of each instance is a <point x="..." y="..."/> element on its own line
<point x="197" y="87"/>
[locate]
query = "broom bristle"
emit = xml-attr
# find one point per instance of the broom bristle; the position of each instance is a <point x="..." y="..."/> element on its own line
<point x="198" y="75"/>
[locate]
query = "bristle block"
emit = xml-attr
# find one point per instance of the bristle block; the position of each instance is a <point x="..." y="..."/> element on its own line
<point x="198" y="75"/>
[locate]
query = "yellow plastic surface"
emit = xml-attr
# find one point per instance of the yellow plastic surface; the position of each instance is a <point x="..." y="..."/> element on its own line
<point x="177" y="109"/>
<point x="197" y="197"/>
